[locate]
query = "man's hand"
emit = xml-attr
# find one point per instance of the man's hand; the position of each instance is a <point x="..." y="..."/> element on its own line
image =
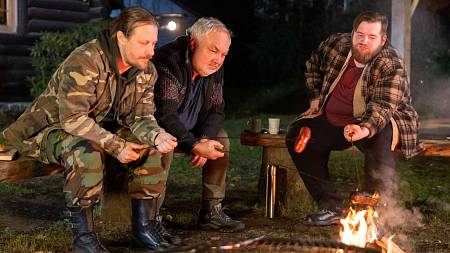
<point x="208" y="149"/>
<point x="129" y="154"/>
<point x="355" y="132"/>
<point x="165" y="142"/>
<point x="197" y="161"/>
<point x="313" y="107"/>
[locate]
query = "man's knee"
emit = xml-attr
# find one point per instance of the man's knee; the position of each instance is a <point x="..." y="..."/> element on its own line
<point x="87" y="156"/>
<point x="151" y="172"/>
<point x="222" y="137"/>
<point x="84" y="163"/>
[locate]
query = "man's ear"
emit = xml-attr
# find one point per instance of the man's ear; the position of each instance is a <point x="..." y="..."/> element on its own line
<point x="383" y="39"/>
<point x="192" y="43"/>
<point x="121" y="38"/>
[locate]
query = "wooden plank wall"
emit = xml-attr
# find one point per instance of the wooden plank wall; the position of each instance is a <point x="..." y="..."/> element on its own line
<point x="34" y="17"/>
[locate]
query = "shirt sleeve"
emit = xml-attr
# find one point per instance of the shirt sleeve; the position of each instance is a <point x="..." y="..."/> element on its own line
<point x="144" y="125"/>
<point x="385" y="95"/>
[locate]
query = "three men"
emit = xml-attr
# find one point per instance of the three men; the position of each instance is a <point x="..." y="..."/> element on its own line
<point x="360" y="94"/>
<point x="100" y="103"/>
<point x="190" y="105"/>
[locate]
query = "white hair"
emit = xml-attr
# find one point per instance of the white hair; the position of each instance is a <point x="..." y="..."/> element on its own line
<point x="205" y="25"/>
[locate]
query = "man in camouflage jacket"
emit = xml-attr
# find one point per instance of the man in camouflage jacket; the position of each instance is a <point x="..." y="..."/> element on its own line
<point x="360" y="95"/>
<point x="100" y="102"/>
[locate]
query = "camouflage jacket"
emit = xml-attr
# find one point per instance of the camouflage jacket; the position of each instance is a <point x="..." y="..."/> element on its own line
<point x="384" y="88"/>
<point x="79" y="95"/>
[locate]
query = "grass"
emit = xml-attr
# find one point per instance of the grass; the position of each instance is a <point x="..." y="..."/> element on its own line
<point x="425" y="184"/>
<point x="55" y="238"/>
<point x="15" y="189"/>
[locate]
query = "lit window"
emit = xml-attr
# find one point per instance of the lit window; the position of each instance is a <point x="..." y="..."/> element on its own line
<point x="8" y="16"/>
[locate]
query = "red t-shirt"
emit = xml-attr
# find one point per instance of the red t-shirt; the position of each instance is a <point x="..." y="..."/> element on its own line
<point x="339" y="108"/>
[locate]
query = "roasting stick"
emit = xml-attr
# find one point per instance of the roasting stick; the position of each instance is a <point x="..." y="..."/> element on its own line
<point x="355" y="164"/>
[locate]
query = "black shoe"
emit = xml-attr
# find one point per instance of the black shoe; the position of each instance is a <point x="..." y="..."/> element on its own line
<point x="144" y="225"/>
<point x="82" y="224"/>
<point x="216" y="219"/>
<point x="165" y="234"/>
<point x="322" y="218"/>
<point x="88" y="243"/>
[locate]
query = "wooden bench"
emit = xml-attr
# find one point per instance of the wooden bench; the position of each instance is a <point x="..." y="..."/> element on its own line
<point x="23" y="167"/>
<point x="292" y="195"/>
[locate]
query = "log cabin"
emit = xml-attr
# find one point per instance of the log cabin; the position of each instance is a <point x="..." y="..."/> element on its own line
<point x="21" y="22"/>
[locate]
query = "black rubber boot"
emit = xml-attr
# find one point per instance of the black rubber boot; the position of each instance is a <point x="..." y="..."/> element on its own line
<point x="144" y="226"/>
<point x="82" y="223"/>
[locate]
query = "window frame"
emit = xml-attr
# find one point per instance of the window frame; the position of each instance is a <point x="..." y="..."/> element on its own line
<point x="11" y="17"/>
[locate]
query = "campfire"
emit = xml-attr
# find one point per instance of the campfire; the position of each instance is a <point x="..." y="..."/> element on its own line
<point x="359" y="228"/>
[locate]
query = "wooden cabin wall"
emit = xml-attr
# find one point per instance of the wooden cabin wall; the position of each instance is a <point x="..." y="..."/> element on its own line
<point x="34" y="17"/>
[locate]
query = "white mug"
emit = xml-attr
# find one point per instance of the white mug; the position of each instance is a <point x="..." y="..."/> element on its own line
<point x="274" y="125"/>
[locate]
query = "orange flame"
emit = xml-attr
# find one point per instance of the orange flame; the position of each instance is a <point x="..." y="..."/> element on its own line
<point x="359" y="227"/>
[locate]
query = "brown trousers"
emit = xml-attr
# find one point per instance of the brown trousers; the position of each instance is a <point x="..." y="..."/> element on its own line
<point x="214" y="174"/>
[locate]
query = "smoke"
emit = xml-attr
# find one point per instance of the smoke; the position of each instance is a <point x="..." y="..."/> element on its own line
<point x="394" y="218"/>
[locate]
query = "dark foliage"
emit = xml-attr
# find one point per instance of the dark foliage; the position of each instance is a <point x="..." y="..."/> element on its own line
<point x="52" y="48"/>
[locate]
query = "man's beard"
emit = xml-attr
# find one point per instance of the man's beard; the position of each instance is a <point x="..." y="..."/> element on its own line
<point x="364" y="58"/>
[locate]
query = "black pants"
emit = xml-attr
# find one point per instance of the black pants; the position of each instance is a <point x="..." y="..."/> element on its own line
<point x="312" y="163"/>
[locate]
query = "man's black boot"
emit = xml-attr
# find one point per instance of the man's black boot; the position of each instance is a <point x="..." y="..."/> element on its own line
<point x="165" y="234"/>
<point x="82" y="223"/>
<point x="216" y="219"/>
<point x="144" y="226"/>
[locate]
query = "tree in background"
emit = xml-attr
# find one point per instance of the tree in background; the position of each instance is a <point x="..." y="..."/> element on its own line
<point x="290" y="30"/>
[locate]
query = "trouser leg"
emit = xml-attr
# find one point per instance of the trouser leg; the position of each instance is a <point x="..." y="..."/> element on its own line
<point x="148" y="179"/>
<point x="146" y="176"/>
<point x="214" y="175"/>
<point x="166" y="161"/>
<point x="312" y="163"/>
<point x="379" y="164"/>
<point x="83" y="162"/>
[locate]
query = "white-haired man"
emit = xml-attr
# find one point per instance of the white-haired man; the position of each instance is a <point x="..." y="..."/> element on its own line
<point x="190" y="105"/>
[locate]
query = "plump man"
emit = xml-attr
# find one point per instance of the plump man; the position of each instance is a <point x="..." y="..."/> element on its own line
<point x="360" y="95"/>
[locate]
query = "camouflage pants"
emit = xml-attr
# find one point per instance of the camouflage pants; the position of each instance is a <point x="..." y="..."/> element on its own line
<point x="84" y="163"/>
<point x="214" y="173"/>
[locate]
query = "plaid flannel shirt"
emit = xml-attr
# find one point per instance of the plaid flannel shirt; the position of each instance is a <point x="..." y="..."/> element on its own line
<point x="384" y="87"/>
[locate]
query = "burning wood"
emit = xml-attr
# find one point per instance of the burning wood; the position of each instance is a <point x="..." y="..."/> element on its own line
<point x="359" y="227"/>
